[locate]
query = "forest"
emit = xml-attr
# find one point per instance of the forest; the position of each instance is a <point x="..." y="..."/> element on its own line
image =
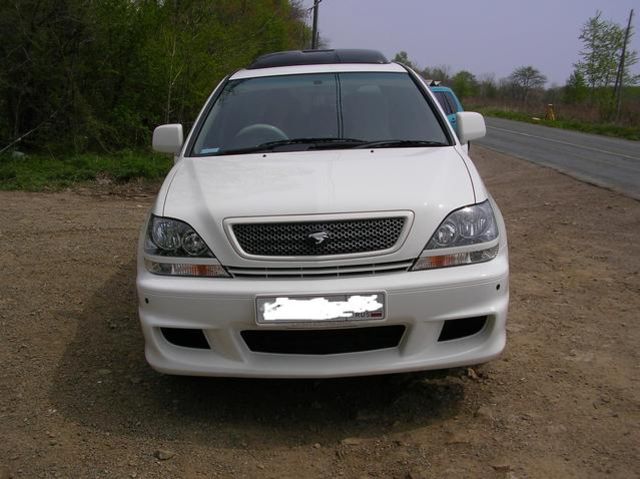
<point x="98" y="75"/>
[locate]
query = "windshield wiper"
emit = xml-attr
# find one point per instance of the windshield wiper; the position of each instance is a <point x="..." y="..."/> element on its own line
<point x="400" y="144"/>
<point x="330" y="142"/>
<point x="314" y="143"/>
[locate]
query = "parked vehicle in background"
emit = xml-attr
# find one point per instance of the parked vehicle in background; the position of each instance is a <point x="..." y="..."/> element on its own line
<point x="322" y="219"/>
<point x="450" y="104"/>
<point x="448" y="101"/>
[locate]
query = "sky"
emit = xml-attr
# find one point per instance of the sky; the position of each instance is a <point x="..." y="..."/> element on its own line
<point x="483" y="37"/>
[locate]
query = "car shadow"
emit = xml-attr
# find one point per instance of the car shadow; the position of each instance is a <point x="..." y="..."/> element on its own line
<point x="104" y="382"/>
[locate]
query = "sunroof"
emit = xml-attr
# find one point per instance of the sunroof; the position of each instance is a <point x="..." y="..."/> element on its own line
<point x="317" y="57"/>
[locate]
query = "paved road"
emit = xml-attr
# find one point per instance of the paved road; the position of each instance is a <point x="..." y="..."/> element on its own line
<point x="604" y="161"/>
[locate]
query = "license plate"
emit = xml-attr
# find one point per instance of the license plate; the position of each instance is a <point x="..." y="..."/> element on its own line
<point x="325" y="308"/>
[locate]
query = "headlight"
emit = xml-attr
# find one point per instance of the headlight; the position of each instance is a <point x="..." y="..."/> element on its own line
<point x="468" y="235"/>
<point x="169" y="237"/>
<point x="181" y="250"/>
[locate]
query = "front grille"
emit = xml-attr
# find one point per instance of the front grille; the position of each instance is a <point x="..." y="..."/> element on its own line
<point x="314" y="272"/>
<point x="323" y="341"/>
<point x="320" y="238"/>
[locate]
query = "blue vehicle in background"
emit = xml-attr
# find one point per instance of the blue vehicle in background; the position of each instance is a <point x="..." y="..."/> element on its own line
<point x="448" y="101"/>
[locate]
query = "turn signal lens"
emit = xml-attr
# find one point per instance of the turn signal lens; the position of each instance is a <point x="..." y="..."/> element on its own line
<point x="186" y="269"/>
<point x="443" y="261"/>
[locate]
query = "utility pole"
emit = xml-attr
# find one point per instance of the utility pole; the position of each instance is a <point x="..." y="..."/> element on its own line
<point x="620" y="74"/>
<point x="314" y="34"/>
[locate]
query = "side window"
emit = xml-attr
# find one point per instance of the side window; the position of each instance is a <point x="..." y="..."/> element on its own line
<point x="444" y="102"/>
<point x="452" y="102"/>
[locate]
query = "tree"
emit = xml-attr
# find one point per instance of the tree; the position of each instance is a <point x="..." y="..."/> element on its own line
<point x="602" y="42"/>
<point x="465" y="84"/>
<point x="441" y="73"/>
<point x="487" y="86"/>
<point x="403" y="57"/>
<point x="576" y="90"/>
<point x="524" y="80"/>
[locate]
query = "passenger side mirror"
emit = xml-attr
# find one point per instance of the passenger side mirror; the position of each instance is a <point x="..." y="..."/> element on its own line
<point x="470" y="126"/>
<point x="168" y="138"/>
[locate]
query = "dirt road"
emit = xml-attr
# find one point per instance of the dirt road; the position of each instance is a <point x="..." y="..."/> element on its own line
<point x="78" y="400"/>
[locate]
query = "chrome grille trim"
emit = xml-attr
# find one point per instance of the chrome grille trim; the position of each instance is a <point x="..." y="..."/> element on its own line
<point x="322" y="271"/>
<point x="348" y="235"/>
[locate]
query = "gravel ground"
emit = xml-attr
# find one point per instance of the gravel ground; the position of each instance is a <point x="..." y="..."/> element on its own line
<point x="78" y="400"/>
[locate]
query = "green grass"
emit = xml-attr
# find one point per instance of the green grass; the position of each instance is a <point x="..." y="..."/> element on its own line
<point x="628" y="133"/>
<point x="39" y="172"/>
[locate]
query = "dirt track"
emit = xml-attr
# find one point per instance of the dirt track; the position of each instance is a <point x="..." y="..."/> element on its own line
<point x="78" y="400"/>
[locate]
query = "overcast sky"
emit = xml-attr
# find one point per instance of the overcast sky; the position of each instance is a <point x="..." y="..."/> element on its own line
<point x="490" y="36"/>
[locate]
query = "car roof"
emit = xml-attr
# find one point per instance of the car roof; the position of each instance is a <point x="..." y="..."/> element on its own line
<point x="318" y="61"/>
<point x="440" y="88"/>
<point x="319" y="68"/>
<point x="317" y="57"/>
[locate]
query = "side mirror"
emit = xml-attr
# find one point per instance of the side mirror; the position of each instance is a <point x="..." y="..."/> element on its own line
<point x="168" y="138"/>
<point x="470" y="126"/>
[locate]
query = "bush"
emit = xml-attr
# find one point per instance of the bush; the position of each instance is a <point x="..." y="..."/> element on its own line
<point x="38" y="172"/>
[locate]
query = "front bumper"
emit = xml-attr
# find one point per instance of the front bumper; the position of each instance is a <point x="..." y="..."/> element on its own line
<point x="419" y="301"/>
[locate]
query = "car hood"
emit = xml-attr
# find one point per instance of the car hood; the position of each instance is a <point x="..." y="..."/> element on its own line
<point x="429" y="182"/>
<point x="319" y="182"/>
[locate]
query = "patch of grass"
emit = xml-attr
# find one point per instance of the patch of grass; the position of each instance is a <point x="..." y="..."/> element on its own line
<point x="39" y="172"/>
<point x="606" y="129"/>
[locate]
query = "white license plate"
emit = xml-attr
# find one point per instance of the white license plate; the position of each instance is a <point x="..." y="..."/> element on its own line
<point x="325" y="308"/>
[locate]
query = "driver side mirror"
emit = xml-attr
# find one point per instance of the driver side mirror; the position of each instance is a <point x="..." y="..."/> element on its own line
<point x="168" y="138"/>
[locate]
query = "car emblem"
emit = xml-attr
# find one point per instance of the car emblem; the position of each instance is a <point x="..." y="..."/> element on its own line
<point x="319" y="237"/>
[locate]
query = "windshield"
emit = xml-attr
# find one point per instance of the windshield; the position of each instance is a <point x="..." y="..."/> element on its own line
<point x="322" y="110"/>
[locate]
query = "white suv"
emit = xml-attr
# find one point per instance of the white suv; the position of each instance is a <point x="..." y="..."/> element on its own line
<point x="322" y="220"/>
